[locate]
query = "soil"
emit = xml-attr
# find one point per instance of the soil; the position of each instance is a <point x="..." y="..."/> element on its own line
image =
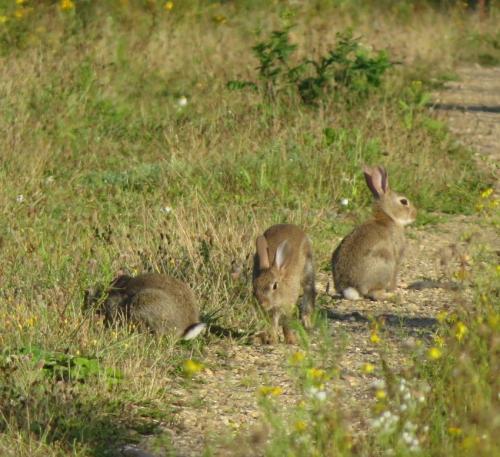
<point x="223" y="400"/>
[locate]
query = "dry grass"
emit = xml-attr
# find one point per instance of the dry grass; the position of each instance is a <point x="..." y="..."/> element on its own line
<point x="102" y="170"/>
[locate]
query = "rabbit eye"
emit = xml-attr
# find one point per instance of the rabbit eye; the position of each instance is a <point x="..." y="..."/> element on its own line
<point x="275" y="286"/>
<point x="404" y="201"/>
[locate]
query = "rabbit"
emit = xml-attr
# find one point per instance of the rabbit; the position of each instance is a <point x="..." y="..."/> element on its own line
<point x="158" y="302"/>
<point x="366" y="262"/>
<point x="283" y="265"/>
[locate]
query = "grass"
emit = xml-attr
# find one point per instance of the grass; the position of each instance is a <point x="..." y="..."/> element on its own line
<point x="103" y="169"/>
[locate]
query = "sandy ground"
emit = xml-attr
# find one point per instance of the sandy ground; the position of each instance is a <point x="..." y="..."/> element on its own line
<point x="223" y="400"/>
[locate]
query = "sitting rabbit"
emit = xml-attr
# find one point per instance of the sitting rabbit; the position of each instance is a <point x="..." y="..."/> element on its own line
<point x="283" y="266"/>
<point x="367" y="260"/>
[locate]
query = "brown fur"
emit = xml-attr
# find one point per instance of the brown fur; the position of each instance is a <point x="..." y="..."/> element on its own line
<point x="293" y="275"/>
<point x="158" y="302"/>
<point x="368" y="259"/>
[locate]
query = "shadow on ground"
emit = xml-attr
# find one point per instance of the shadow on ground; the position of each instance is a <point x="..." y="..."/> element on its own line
<point x="411" y="323"/>
<point x="464" y="108"/>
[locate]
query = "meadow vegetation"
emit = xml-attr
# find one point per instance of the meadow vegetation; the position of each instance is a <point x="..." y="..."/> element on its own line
<point x="125" y="147"/>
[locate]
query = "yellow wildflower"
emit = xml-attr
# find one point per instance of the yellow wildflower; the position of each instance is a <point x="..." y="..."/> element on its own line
<point x="380" y="394"/>
<point x="434" y="353"/>
<point x="219" y="18"/>
<point x="374" y="338"/>
<point x="316" y="374"/>
<point x="368" y="368"/>
<point x="470" y="441"/>
<point x="20" y="2"/>
<point x="67" y="5"/>
<point x="297" y="357"/>
<point x="270" y="391"/>
<point x="441" y="316"/>
<point x="494" y="320"/>
<point x="168" y="6"/>
<point x="454" y="431"/>
<point x="20" y="13"/>
<point x="460" y="331"/>
<point x="461" y="274"/>
<point x="416" y="85"/>
<point x="3" y="19"/>
<point x="439" y="341"/>
<point x="486" y="193"/>
<point x="300" y="426"/>
<point x="191" y="367"/>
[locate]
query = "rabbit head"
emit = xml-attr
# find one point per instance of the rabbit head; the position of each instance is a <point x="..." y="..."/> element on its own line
<point x="283" y="266"/>
<point x="388" y="203"/>
<point x="268" y="283"/>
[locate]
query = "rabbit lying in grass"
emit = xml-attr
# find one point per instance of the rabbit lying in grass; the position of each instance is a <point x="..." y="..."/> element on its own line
<point x="367" y="260"/>
<point x="283" y="266"/>
<point x="157" y="302"/>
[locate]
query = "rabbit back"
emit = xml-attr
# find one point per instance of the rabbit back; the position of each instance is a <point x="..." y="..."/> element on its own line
<point x="368" y="258"/>
<point x="301" y="248"/>
<point x="158" y="302"/>
<point x="162" y="312"/>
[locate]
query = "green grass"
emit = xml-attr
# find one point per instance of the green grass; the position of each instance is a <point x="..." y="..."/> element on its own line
<point x="102" y="170"/>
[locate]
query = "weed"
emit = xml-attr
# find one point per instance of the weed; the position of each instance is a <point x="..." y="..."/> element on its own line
<point x="348" y="71"/>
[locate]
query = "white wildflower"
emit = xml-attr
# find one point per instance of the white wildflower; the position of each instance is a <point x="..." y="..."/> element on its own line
<point x="321" y="395"/>
<point x="344" y="202"/>
<point x="316" y="393"/>
<point x="376" y="423"/>
<point x="182" y="101"/>
<point x="415" y="447"/>
<point x="407" y="438"/>
<point x="410" y="426"/>
<point x="378" y="384"/>
<point x="20" y="198"/>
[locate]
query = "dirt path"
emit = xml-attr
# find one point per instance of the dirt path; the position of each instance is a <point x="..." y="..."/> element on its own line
<point x="472" y="108"/>
<point x="223" y="400"/>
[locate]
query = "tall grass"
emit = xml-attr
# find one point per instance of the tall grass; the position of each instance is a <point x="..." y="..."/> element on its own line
<point x="104" y="167"/>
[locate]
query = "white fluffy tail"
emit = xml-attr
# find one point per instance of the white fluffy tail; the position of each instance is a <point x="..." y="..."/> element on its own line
<point x="350" y="293"/>
<point x="193" y="331"/>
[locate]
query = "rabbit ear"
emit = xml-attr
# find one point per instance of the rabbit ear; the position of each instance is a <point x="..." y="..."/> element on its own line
<point x="262" y="253"/>
<point x="377" y="180"/>
<point x="282" y="254"/>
